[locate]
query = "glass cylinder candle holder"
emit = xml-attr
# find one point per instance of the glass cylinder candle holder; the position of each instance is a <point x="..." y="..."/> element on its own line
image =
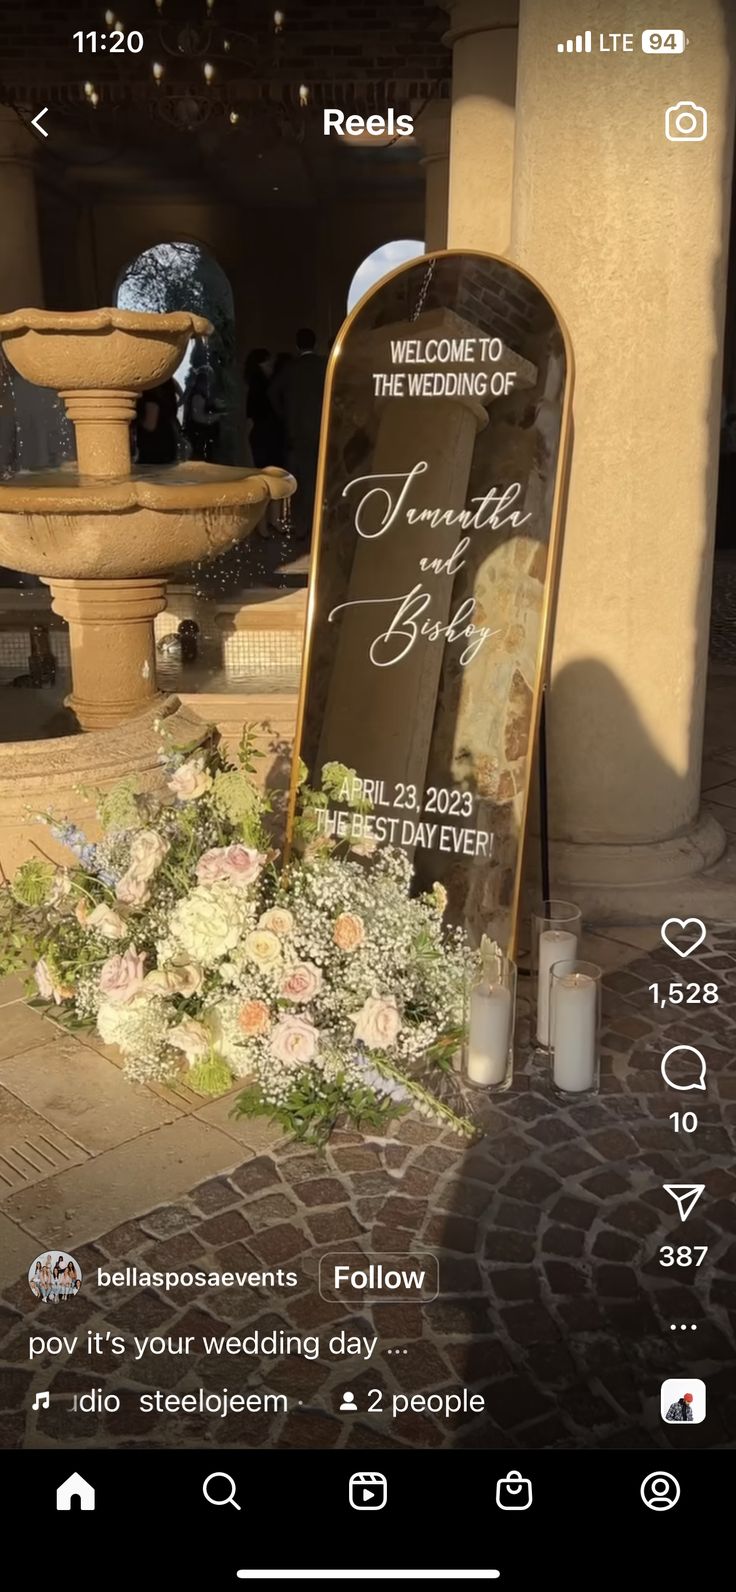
<point x="574" y="1028"/>
<point x="488" y="1050"/>
<point x="556" y="930"/>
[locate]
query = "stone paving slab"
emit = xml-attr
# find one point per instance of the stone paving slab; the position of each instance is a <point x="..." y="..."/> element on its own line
<point x="114" y="1187"/>
<point x="254" y="1132"/>
<point x="17" y="1250"/>
<point x="23" y="1029"/>
<point x="31" y="1147"/>
<point x="78" y="1091"/>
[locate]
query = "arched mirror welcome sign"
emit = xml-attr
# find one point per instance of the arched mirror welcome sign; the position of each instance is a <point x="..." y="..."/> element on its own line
<point x="434" y="565"/>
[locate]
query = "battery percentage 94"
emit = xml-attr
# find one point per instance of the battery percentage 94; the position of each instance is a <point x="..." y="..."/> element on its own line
<point x="664" y="41"/>
<point x="680" y="994"/>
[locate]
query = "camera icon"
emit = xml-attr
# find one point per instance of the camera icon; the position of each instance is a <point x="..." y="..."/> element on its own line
<point x="685" y="123"/>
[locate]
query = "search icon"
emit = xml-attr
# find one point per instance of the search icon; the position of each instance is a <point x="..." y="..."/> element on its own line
<point x="230" y="1494"/>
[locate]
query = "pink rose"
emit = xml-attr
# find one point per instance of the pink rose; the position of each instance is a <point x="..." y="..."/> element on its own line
<point x="278" y="919"/>
<point x="239" y="865"/>
<point x="294" y="1041"/>
<point x="378" y="1022"/>
<point x="47" y="986"/>
<point x="302" y="983"/>
<point x="121" y="977"/>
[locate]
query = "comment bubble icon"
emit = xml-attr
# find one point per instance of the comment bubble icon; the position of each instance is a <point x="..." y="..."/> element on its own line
<point x="685" y="1061"/>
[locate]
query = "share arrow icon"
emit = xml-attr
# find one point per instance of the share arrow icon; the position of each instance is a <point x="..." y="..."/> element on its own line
<point x="685" y="1196"/>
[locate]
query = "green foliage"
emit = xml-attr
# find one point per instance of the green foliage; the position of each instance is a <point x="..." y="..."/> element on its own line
<point x="31" y="884"/>
<point x="120" y="808"/>
<point x="239" y="803"/>
<point x="312" y="1108"/>
<point x="210" y="1077"/>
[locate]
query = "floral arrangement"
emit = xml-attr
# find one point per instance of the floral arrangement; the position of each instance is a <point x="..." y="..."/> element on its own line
<point x="324" y="985"/>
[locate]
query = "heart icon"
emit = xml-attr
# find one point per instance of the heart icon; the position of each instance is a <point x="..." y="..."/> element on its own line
<point x="684" y="924"/>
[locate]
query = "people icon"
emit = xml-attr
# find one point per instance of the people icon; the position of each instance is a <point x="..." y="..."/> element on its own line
<point x="348" y="1403"/>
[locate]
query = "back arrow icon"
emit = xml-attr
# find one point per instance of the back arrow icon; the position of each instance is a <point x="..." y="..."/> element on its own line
<point x="37" y="122"/>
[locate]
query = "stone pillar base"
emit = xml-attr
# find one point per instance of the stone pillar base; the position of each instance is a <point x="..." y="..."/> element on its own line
<point x="638" y="883"/>
<point x="112" y="646"/>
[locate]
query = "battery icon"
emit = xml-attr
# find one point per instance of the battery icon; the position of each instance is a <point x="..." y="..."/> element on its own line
<point x="663" y="41"/>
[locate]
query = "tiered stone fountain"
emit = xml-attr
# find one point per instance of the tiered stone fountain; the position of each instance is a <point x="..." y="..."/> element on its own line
<point x="103" y="534"/>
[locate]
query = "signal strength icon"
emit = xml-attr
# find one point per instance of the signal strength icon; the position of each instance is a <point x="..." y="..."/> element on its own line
<point x="582" y="44"/>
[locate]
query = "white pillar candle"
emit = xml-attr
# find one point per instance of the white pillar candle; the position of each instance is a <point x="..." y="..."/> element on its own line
<point x="489" y="1033"/>
<point x="555" y="945"/>
<point x="574" y="1021"/>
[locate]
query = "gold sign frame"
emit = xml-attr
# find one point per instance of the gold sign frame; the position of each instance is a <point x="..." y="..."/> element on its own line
<point x="553" y="546"/>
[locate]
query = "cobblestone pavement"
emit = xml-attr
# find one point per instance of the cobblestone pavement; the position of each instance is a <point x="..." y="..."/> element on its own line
<point x="552" y="1304"/>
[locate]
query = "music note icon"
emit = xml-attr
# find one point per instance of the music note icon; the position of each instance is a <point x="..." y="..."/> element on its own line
<point x="41" y="1401"/>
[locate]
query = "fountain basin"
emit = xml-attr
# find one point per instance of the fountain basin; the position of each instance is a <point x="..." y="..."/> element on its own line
<point x="106" y="349"/>
<point x="60" y="525"/>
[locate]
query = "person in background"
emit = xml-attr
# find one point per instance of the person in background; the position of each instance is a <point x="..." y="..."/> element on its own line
<point x="265" y="428"/>
<point x="157" y="434"/>
<point x="296" y="395"/>
<point x="201" y="415"/>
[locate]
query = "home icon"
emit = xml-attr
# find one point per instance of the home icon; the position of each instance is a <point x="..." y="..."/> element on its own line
<point x="75" y="1488"/>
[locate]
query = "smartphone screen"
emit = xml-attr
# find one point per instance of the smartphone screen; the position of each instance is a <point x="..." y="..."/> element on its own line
<point x="367" y="783"/>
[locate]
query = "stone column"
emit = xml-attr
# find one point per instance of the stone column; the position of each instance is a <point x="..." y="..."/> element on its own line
<point x="628" y="233"/>
<point x="20" y="254"/>
<point x="112" y="649"/>
<point x="433" y="135"/>
<point x="483" y="38"/>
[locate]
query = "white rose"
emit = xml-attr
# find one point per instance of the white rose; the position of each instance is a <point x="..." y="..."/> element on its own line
<point x="60" y="887"/>
<point x="132" y="888"/>
<point x="106" y="922"/>
<point x="294" y="1041"/>
<point x="378" y="1022"/>
<point x="192" y="1037"/>
<point x="207" y="923"/>
<point x="147" y="852"/>
<point x="191" y="780"/>
<point x="262" y="947"/>
<point x="181" y="978"/>
<point x="278" y="919"/>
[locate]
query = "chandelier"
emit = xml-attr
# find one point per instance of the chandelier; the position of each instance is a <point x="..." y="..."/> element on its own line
<point x="196" y="69"/>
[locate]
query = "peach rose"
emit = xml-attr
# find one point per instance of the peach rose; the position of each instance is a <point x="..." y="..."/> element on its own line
<point x="302" y="983"/>
<point x="254" y="1018"/>
<point x="378" y="1022"/>
<point x="121" y="977"/>
<point x="294" y="1041"/>
<point x="278" y="920"/>
<point x="349" y="931"/>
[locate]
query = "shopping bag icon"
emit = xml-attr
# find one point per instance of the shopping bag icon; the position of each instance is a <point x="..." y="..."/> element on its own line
<point x="514" y="1491"/>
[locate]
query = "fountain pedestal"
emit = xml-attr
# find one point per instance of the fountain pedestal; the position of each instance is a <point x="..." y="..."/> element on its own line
<point x="111" y="643"/>
<point x="104" y="535"/>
